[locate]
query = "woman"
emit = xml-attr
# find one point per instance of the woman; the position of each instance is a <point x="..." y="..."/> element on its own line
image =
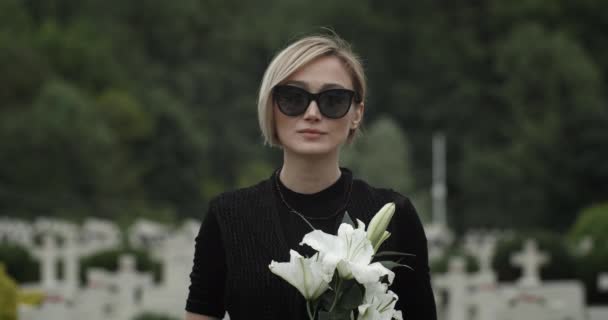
<point x="311" y="102"/>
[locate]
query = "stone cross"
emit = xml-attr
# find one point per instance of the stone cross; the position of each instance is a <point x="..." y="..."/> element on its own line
<point x="486" y="300"/>
<point x="439" y="189"/>
<point x="48" y="255"/>
<point x="130" y="285"/>
<point x="455" y="282"/>
<point x="71" y="257"/>
<point x="126" y="283"/>
<point x="602" y="282"/>
<point x="99" y="235"/>
<point x="17" y="231"/>
<point x="177" y="262"/>
<point x="483" y="248"/>
<point x="530" y="260"/>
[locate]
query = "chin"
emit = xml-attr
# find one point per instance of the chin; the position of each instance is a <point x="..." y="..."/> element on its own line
<point x="312" y="149"/>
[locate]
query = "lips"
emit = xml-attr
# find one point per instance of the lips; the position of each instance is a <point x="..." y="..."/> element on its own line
<point x="311" y="131"/>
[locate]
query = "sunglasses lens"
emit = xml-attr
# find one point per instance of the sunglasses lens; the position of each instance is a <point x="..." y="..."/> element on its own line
<point x="292" y="101"/>
<point x="335" y="103"/>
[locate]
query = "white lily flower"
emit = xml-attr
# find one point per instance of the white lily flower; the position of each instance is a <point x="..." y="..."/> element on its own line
<point x="378" y="303"/>
<point x="350" y="252"/>
<point x="308" y="275"/>
<point x="376" y="231"/>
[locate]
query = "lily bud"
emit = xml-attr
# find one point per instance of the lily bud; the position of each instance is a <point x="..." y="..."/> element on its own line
<point x="385" y="236"/>
<point x="376" y="231"/>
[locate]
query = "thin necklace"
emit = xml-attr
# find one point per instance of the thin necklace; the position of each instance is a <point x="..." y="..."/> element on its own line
<point x="306" y="218"/>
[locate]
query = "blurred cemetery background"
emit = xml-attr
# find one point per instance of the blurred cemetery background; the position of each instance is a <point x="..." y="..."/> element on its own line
<point x="119" y="120"/>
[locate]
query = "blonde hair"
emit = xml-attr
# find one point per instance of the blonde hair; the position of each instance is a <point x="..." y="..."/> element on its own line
<point x="295" y="56"/>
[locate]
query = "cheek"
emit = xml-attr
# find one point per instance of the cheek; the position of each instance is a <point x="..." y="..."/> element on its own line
<point x="281" y="123"/>
<point x="342" y="129"/>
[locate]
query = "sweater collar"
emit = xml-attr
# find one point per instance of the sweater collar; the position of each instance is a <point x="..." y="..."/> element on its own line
<point x="269" y="187"/>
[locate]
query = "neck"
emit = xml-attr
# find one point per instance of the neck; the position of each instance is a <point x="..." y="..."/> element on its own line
<point x="309" y="174"/>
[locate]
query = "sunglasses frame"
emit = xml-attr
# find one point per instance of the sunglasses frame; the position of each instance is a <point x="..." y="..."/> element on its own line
<point x="315" y="97"/>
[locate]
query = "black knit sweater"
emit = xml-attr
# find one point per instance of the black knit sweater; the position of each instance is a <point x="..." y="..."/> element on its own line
<point x="245" y="229"/>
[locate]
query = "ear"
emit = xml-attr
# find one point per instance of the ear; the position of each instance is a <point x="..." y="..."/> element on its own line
<point x="358" y="116"/>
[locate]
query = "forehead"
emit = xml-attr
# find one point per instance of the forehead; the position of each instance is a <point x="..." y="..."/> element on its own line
<point x="325" y="72"/>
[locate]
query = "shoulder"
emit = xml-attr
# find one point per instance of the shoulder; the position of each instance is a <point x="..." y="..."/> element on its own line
<point x="240" y="197"/>
<point x="402" y="202"/>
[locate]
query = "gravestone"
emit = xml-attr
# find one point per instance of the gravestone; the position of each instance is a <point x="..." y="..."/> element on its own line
<point x="98" y="300"/>
<point x="483" y="298"/>
<point x="51" y="252"/>
<point x="485" y="301"/>
<point x="48" y="255"/>
<point x="527" y="307"/>
<point x="176" y="253"/>
<point x="482" y="247"/>
<point x="146" y="234"/>
<point x="98" y="235"/>
<point x="530" y="260"/>
<point x="439" y="238"/>
<point x="600" y="312"/>
<point x="131" y="286"/>
<point x="114" y="295"/>
<point x="455" y="283"/>
<point x="16" y="231"/>
<point x="71" y="256"/>
<point x="548" y="300"/>
<point x="602" y="282"/>
<point x="439" y="189"/>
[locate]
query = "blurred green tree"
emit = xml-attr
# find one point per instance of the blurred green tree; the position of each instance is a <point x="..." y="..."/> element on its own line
<point x="381" y="156"/>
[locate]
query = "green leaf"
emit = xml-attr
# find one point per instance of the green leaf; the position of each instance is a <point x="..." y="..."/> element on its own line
<point x="347" y="219"/>
<point x="323" y="315"/>
<point x="335" y="315"/>
<point x="393" y="253"/>
<point x="326" y="299"/>
<point x="352" y="297"/>
<point x="392" y="264"/>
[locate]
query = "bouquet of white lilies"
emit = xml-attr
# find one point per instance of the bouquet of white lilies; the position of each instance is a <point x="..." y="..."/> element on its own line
<point x="340" y="281"/>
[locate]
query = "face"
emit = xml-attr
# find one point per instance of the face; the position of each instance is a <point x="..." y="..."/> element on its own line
<point x="312" y="133"/>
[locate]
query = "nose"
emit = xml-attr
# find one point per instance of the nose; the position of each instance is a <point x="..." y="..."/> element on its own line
<point x="312" y="112"/>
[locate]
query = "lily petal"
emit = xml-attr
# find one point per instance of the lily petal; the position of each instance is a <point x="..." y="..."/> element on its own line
<point x="306" y="274"/>
<point x="378" y="303"/>
<point x="371" y="273"/>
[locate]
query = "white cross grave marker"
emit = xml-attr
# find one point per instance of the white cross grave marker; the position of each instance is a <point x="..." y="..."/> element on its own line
<point x="483" y="247"/>
<point x="455" y="282"/>
<point x="602" y="282"/>
<point x="71" y="262"/>
<point x="48" y="256"/>
<point x="439" y="189"/>
<point x="130" y="283"/>
<point x="530" y="260"/>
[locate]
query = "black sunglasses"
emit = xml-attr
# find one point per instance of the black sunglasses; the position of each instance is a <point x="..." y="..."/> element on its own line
<point x="332" y="103"/>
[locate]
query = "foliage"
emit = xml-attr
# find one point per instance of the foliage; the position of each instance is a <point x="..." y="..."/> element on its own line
<point x="592" y="222"/>
<point x="441" y="265"/>
<point x="31" y="297"/>
<point x="148" y="107"/>
<point x="380" y="156"/>
<point x="152" y="316"/>
<point x="561" y="264"/>
<point x="588" y="268"/>
<point x="19" y="263"/>
<point x="8" y="295"/>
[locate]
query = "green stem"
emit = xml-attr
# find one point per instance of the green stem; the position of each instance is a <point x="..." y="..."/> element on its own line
<point x="310" y="315"/>
<point x="333" y="305"/>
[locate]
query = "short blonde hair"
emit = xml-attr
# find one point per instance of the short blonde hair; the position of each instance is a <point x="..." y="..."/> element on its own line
<point x="295" y="56"/>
